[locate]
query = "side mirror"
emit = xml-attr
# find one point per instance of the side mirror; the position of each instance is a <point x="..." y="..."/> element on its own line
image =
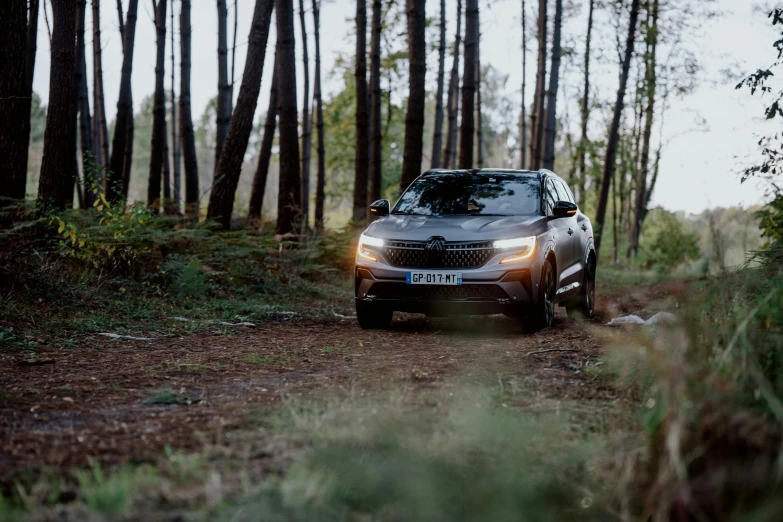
<point x="564" y="209"/>
<point x="380" y="208"/>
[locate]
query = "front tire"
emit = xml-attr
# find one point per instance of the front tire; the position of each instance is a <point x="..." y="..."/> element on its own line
<point x="542" y="314"/>
<point x="584" y="306"/>
<point x="373" y="316"/>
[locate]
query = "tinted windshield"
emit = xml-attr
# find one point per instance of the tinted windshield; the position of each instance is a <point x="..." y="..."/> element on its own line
<point x="480" y="194"/>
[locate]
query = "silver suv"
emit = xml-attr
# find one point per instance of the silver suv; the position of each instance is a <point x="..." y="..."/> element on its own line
<point x="476" y="242"/>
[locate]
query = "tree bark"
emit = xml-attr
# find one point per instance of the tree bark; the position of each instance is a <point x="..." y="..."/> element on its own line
<point x="289" y="212"/>
<point x="224" y="88"/>
<point x="319" y="114"/>
<point x="611" y="144"/>
<point x="83" y="108"/>
<point x="437" y="139"/>
<point x="185" y="114"/>
<point x="15" y="98"/>
<point x="100" y="128"/>
<point x="469" y="85"/>
<point x="554" y="77"/>
<point x="265" y="154"/>
<point x="414" y="118"/>
<point x="479" y="125"/>
<point x="537" y="119"/>
<point x="362" y="160"/>
<point x="157" y="158"/>
<point x="55" y="189"/>
<point x="640" y="207"/>
<point x="117" y="177"/>
<point x="585" y="111"/>
<point x="376" y="140"/>
<point x="523" y="110"/>
<point x="450" y="154"/>
<point x="306" y="123"/>
<point x="227" y="172"/>
<point x="176" y="182"/>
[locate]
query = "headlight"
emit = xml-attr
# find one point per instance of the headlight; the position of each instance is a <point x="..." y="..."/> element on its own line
<point x="525" y="247"/>
<point x="371" y="242"/>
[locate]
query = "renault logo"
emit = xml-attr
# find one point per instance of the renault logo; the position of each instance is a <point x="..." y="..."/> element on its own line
<point x="435" y="247"/>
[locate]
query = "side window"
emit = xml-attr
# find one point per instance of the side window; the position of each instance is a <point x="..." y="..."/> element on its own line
<point x="550" y="197"/>
<point x="565" y="192"/>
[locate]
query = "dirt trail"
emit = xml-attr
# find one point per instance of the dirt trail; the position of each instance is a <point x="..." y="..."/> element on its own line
<point x="123" y="400"/>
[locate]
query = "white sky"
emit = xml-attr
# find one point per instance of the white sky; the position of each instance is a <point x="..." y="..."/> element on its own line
<point x="698" y="170"/>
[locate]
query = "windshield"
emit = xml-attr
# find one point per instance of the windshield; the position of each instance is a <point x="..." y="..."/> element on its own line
<point x="479" y="194"/>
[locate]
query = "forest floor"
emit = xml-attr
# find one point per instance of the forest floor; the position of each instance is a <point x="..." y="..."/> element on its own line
<point x="251" y="398"/>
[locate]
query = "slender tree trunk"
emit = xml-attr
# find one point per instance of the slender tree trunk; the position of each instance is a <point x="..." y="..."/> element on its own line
<point x="523" y="110"/>
<point x="319" y="114"/>
<point x="611" y="144"/>
<point x="234" y="49"/>
<point x="185" y="116"/>
<point x="437" y="140"/>
<point x="479" y="125"/>
<point x="537" y="121"/>
<point x="554" y="77"/>
<point x="224" y="187"/>
<point x="450" y="154"/>
<point x="469" y="85"/>
<point x="289" y="213"/>
<point x="224" y="88"/>
<point x="166" y="172"/>
<point x="585" y="111"/>
<point x="157" y="157"/>
<point x="376" y="143"/>
<point x="177" y="182"/>
<point x="100" y="128"/>
<point x="614" y="217"/>
<point x="83" y="108"/>
<point x="265" y="154"/>
<point x="640" y="207"/>
<point x="15" y="99"/>
<point x="116" y="180"/>
<point x="306" y="122"/>
<point x="127" y="158"/>
<point x="55" y="189"/>
<point x="362" y="160"/>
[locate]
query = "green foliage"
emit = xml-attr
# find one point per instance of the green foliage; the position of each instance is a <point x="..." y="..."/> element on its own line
<point x="771" y="219"/>
<point x="167" y="397"/>
<point x="666" y="243"/>
<point x="110" y="496"/>
<point x="191" y="281"/>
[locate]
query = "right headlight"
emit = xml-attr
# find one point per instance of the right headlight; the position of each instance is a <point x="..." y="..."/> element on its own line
<point x="522" y="248"/>
<point x="371" y="241"/>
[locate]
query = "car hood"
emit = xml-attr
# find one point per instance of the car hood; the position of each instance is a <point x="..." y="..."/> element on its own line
<point x="456" y="228"/>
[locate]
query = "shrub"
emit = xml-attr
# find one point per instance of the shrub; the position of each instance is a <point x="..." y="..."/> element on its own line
<point x="666" y="243"/>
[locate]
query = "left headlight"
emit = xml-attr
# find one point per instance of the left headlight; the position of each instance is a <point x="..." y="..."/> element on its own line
<point x="522" y="247"/>
<point x="365" y="241"/>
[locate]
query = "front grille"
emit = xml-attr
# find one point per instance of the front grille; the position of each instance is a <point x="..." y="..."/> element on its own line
<point x="436" y="292"/>
<point x="406" y="254"/>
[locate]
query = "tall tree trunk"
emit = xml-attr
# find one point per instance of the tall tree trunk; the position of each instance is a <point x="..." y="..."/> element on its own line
<point x="523" y="110"/>
<point x="116" y="180"/>
<point x="585" y="111"/>
<point x="479" y="125"/>
<point x="265" y="154"/>
<point x="614" y="217"/>
<point x="640" y="206"/>
<point x="289" y="213"/>
<point x="224" y="88"/>
<point x="469" y="85"/>
<point x="234" y="49"/>
<point x="157" y="158"/>
<point x="224" y="187"/>
<point x="185" y="116"/>
<point x="414" y="118"/>
<point x="306" y="122"/>
<point x="437" y="139"/>
<point x="611" y="144"/>
<point x="319" y="114"/>
<point x="166" y="172"/>
<point x="362" y="160"/>
<point x="450" y="154"/>
<point x="55" y="189"/>
<point x="15" y="98"/>
<point x="376" y="140"/>
<point x="537" y="120"/>
<point x="554" y="77"/>
<point x="83" y="108"/>
<point x="176" y="182"/>
<point x="100" y="128"/>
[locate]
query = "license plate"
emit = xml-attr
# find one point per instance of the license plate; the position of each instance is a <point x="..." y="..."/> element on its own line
<point x="433" y="278"/>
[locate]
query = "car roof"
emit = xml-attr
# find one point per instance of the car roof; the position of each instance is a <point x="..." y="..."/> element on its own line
<point x="540" y="172"/>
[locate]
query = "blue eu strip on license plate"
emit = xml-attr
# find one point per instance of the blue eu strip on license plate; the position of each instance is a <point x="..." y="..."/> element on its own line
<point x="433" y="278"/>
